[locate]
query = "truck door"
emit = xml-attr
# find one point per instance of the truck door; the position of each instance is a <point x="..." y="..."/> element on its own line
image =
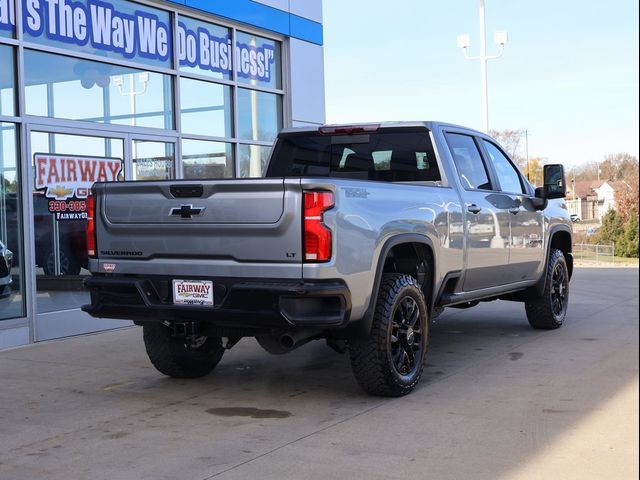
<point x="487" y="216"/>
<point x="526" y="223"/>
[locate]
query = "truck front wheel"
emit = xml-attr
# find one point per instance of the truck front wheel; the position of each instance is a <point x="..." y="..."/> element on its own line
<point x="548" y="309"/>
<point x="389" y="362"/>
<point x="181" y="357"/>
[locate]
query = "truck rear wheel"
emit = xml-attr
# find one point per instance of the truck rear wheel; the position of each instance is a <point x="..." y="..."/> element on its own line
<point x="390" y="361"/>
<point x="181" y="357"/>
<point x="548" y="309"/>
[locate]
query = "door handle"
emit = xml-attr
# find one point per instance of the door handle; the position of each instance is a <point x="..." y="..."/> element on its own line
<point x="473" y="208"/>
<point x="514" y="210"/>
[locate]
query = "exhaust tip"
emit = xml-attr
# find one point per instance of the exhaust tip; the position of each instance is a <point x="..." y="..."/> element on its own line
<point x="287" y="341"/>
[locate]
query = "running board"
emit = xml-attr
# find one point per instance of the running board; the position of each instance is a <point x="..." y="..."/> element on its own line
<point x="449" y="299"/>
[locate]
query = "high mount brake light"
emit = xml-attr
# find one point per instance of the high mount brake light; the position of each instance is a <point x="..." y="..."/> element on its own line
<point x="317" y="237"/>
<point x="348" y="129"/>
<point x="91" y="227"/>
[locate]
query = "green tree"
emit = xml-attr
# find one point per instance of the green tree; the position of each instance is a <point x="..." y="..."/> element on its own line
<point x="612" y="228"/>
<point x="627" y="245"/>
<point x="624" y="234"/>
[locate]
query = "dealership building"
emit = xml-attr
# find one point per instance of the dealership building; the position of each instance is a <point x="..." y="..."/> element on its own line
<point x="94" y="90"/>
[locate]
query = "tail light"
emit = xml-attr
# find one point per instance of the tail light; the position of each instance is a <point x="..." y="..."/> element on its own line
<point x="91" y="227"/>
<point x="317" y="237"/>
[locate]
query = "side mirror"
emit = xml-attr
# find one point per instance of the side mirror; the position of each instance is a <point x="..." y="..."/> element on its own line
<point x="555" y="185"/>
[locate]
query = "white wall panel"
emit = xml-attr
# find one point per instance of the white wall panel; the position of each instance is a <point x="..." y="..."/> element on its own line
<point x="311" y="9"/>
<point x="307" y="82"/>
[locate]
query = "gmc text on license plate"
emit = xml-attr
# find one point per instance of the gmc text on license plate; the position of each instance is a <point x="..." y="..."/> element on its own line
<point x="193" y="292"/>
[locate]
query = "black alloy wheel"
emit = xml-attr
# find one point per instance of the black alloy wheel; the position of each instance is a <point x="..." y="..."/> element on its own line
<point x="559" y="291"/>
<point x="405" y="343"/>
<point x="390" y="360"/>
<point x="547" y="309"/>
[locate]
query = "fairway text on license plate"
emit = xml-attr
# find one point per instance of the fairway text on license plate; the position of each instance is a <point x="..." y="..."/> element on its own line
<point x="193" y="292"/>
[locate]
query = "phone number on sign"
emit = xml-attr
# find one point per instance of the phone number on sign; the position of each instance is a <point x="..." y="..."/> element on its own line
<point x="73" y="206"/>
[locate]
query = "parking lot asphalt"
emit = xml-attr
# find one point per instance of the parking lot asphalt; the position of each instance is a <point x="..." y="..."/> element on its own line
<point x="498" y="400"/>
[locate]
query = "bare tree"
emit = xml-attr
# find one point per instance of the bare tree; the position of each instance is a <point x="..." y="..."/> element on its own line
<point x="511" y="141"/>
<point x="616" y="167"/>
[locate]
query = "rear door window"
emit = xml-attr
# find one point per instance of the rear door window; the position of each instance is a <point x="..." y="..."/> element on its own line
<point x="406" y="156"/>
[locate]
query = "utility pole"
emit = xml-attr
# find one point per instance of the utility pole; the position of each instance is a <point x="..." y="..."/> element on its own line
<point x="500" y="38"/>
<point x="526" y="147"/>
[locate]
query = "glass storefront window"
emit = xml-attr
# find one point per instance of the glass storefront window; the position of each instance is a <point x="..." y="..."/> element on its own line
<point x="11" y="232"/>
<point x="258" y="61"/>
<point x="204" y="48"/>
<point x="253" y="160"/>
<point x="202" y="159"/>
<point x="259" y="115"/>
<point x="58" y="221"/>
<point x="152" y="160"/>
<point x="7" y="81"/>
<point x="205" y="108"/>
<point x="115" y="29"/>
<point x="7" y="19"/>
<point x="71" y="88"/>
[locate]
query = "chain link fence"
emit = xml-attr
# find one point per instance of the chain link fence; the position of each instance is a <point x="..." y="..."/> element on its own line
<point x="594" y="253"/>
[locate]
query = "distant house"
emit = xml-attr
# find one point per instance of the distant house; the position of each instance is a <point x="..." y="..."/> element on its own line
<point x="591" y="200"/>
<point x="582" y="200"/>
<point x="607" y="196"/>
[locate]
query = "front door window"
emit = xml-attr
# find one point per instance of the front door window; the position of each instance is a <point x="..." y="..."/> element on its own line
<point x="152" y="160"/>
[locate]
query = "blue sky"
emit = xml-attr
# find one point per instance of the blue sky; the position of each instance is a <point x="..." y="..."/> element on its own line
<point x="569" y="73"/>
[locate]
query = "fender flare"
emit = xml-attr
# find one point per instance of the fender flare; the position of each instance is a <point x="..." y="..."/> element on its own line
<point x="540" y="286"/>
<point x="363" y="327"/>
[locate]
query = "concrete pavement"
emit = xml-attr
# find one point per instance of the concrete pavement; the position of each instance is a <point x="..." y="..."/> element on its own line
<point x="498" y="400"/>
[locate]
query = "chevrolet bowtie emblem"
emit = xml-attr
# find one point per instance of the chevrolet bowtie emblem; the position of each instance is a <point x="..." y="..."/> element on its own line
<point x="186" y="211"/>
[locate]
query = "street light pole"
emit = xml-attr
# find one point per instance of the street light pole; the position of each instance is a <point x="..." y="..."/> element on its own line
<point x="500" y="38"/>
<point x="483" y="71"/>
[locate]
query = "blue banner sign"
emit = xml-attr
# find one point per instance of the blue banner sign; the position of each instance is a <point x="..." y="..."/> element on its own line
<point x="203" y="50"/>
<point x="7" y="15"/>
<point x="138" y="34"/>
<point x="99" y="24"/>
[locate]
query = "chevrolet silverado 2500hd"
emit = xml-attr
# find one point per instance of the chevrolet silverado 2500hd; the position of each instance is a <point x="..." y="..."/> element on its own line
<point x="357" y="234"/>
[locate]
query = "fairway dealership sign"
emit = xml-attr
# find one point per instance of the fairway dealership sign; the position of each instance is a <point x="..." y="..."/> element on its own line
<point x="132" y="32"/>
<point x="66" y="181"/>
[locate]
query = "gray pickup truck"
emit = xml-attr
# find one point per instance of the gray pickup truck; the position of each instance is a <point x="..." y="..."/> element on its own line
<point x="357" y="234"/>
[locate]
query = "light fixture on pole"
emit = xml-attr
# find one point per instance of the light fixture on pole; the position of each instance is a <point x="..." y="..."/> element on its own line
<point x="132" y="93"/>
<point x="500" y="38"/>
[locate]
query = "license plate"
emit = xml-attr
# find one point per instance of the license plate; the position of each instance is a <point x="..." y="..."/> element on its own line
<point x="193" y="292"/>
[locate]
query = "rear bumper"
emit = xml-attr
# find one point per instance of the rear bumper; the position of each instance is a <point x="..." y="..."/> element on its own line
<point x="242" y="303"/>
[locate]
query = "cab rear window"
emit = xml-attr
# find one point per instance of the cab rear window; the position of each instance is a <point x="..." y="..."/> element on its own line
<point x="381" y="156"/>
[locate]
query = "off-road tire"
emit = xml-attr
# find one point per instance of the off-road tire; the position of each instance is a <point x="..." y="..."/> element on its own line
<point x="69" y="264"/>
<point x="372" y="360"/>
<point x="548" y="310"/>
<point x="174" y="357"/>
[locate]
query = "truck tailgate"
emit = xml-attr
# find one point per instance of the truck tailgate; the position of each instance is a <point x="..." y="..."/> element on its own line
<point x="209" y="221"/>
